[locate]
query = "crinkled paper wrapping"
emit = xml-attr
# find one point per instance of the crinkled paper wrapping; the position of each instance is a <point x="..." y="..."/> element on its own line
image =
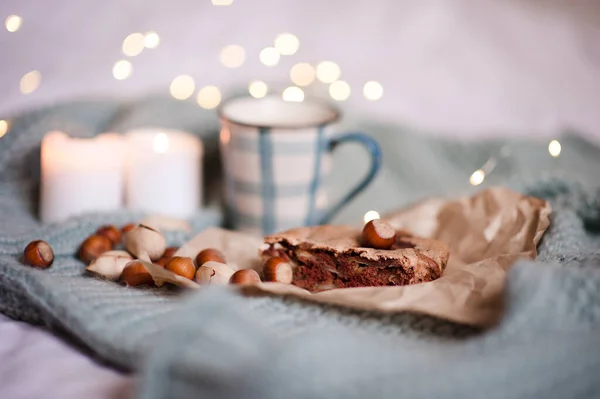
<point x="486" y="234"/>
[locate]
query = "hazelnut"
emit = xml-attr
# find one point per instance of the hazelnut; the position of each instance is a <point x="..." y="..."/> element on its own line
<point x="38" y="253"/>
<point x="277" y="270"/>
<point x="209" y="255"/>
<point x="93" y="247"/>
<point x="135" y="273"/>
<point x="145" y="243"/>
<point x="378" y="234"/>
<point x="245" y="277"/>
<point x="110" y="264"/>
<point x="128" y="227"/>
<point x="111" y="232"/>
<point x="169" y="252"/>
<point x="214" y="273"/>
<point x="182" y="266"/>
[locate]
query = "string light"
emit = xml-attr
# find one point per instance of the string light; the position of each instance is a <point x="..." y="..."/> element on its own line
<point x="293" y="94"/>
<point x="122" y="69"/>
<point x="3" y="127"/>
<point x="328" y="71"/>
<point x="258" y="89"/>
<point x="30" y="82"/>
<point x="222" y="2"/>
<point x="133" y="44"/>
<point x="232" y="56"/>
<point x="554" y="148"/>
<point x="13" y="23"/>
<point x="269" y="56"/>
<point x="371" y="215"/>
<point x="372" y="90"/>
<point x="339" y="90"/>
<point x="151" y="40"/>
<point x="209" y="97"/>
<point x="182" y="87"/>
<point x="477" y="177"/>
<point x="287" y="43"/>
<point x="302" y="74"/>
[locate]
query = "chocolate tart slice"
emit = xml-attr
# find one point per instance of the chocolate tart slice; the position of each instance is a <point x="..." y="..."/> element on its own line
<point x="327" y="257"/>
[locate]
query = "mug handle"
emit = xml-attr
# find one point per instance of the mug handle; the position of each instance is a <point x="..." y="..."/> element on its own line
<point x="375" y="153"/>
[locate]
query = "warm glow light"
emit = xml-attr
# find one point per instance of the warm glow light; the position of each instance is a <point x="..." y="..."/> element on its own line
<point x="151" y="40"/>
<point x="258" y="89"/>
<point x="225" y="135"/>
<point x="133" y="44"/>
<point x="371" y="215"/>
<point x="554" y="148"/>
<point x="477" y="177"/>
<point x="269" y="56"/>
<point x="232" y="56"/>
<point x="182" y="87"/>
<point x="294" y="94"/>
<point x="122" y="69"/>
<point x="339" y="90"/>
<point x="302" y="74"/>
<point x="209" y="97"/>
<point x="373" y="90"/>
<point x="160" y="143"/>
<point x="287" y="44"/>
<point x="3" y="127"/>
<point x="328" y="72"/>
<point x="30" y="82"/>
<point x="13" y="23"/>
<point x="222" y="2"/>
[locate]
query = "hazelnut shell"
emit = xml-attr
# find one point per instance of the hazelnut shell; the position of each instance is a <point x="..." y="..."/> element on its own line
<point x="39" y="254"/>
<point x="209" y="255"/>
<point x="378" y="234"/>
<point x="93" y="247"/>
<point x="245" y="277"/>
<point x="277" y="270"/>
<point x="111" y="232"/>
<point x="145" y="242"/>
<point x="214" y="273"/>
<point x="182" y="266"/>
<point x="135" y="273"/>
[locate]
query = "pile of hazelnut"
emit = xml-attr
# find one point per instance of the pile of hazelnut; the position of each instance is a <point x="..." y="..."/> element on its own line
<point x="146" y="244"/>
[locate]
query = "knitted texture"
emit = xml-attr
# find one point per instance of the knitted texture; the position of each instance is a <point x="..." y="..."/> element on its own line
<point x="214" y="343"/>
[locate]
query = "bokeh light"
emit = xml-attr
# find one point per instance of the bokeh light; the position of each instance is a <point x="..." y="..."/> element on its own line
<point x="371" y="215"/>
<point x="373" y="90"/>
<point x="339" y="90"/>
<point x="209" y="97"/>
<point x="287" y="44"/>
<point x="151" y="40"/>
<point x="258" y="89"/>
<point x="182" y="87"/>
<point x="554" y="148"/>
<point x="269" y="56"/>
<point x="293" y="94"/>
<point x="122" y="69"/>
<point x="328" y="71"/>
<point x="13" y="23"/>
<point x="222" y="2"/>
<point x="133" y="44"/>
<point x="3" y="127"/>
<point x="232" y="56"/>
<point x="30" y="82"/>
<point x="302" y="74"/>
<point x="477" y="177"/>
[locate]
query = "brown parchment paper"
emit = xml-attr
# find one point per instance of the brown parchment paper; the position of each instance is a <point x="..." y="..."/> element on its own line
<point x="486" y="234"/>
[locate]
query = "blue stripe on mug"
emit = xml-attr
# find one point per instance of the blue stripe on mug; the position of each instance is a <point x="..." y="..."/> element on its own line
<point x="247" y="143"/>
<point x="310" y="217"/>
<point x="267" y="180"/>
<point x="283" y="191"/>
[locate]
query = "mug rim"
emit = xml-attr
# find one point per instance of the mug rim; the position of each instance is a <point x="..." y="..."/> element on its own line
<point x="335" y="111"/>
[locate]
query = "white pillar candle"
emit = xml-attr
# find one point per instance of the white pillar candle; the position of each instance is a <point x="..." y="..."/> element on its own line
<point x="164" y="172"/>
<point x="80" y="175"/>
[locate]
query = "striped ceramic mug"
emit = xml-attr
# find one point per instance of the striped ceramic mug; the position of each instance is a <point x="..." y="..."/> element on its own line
<point x="276" y="156"/>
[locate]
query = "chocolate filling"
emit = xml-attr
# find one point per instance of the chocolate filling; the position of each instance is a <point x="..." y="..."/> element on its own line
<point x="321" y="269"/>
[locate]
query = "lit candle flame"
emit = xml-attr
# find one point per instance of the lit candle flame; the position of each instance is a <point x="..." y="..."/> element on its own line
<point x="371" y="215"/>
<point x="161" y="143"/>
